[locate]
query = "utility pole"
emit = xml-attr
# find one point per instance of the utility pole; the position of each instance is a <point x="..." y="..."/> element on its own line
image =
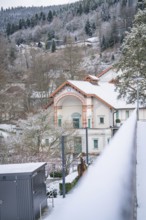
<point x="63" y="166"/>
<point x="87" y="159"/>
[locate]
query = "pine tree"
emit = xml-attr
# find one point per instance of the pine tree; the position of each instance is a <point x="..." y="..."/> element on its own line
<point x="36" y="17"/>
<point x="88" y="29"/>
<point x="80" y="10"/>
<point x="53" y="48"/>
<point x="133" y="61"/>
<point x="44" y="17"/>
<point x="28" y="22"/>
<point x="8" y="29"/>
<point x="103" y="44"/>
<point x="50" y="16"/>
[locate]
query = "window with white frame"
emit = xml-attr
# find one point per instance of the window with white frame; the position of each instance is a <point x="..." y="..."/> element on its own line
<point x="76" y="118"/>
<point x="101" y="119"/>
<point x="95" y="143"/>
<point x="117" y="114"/>
<point x="89" y="122"/>
<point x="77" y="145"/>
<point x="59" y="122"/>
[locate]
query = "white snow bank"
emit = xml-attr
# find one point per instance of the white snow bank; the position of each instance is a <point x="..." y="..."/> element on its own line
<point x="104" y="193"/>
<point x="70" y="178"/>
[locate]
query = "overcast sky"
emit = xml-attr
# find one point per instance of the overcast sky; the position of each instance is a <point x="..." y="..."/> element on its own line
<point x="16" y="3"/>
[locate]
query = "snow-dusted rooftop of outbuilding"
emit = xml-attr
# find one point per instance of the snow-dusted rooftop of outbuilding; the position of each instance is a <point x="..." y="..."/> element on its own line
<point x="20" y="168"/>
<point x="104" y="90"/>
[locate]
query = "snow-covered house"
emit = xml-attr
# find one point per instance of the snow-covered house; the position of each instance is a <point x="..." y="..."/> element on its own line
<point x="92" y="104"/>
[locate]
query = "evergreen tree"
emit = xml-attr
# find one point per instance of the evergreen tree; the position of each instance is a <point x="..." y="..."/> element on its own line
<point x="93" y="26"/>
<point x="133" y="61"/>
<point x="36" y="17"/>
<point x="28" y="22"/>
<point x="8" y="29"/>
<point x="50" y="16"/>
<point x="80" y="10"/>
<point x="41" y="15"/>
<point x="13" y="28"/>
<point x="51" y="35"/>
<point x="44" y="17"/>
<point x="53" y="48"/>
<point x="20" y="24"/>
<point x="103" y="44"/>
<point x="32" y="22"/>
<point x="87" y="7"/>
<point x="124" y="2"/>
<point x="88" y="29"/>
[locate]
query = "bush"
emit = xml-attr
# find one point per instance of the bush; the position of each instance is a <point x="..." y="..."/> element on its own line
<point x="68" y="186"/>
<point x="56" y="174"/>
<point x="118" y="120"/>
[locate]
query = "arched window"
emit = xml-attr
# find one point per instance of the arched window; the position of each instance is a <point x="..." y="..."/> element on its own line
<point x="76" y="119"/>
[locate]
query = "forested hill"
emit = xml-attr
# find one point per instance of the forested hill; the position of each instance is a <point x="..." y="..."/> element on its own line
<point x="107" y="18"/>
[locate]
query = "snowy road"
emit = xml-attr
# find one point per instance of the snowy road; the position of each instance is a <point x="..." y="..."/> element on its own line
<point x="141" y="171"/>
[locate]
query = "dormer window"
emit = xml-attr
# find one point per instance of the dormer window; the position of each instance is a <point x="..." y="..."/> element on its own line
<point x="92" y="79"/>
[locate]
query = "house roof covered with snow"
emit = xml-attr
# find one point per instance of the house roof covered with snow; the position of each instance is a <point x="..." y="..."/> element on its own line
<point x="103" y="91"/>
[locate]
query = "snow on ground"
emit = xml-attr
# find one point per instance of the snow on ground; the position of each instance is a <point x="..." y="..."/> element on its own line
<point x="54" y="203"/>
<point x="68" y="179"/>
<point x="141" y="171"/>
<point x="7" y="127"/>
<point x="103" y="193"/>
<point x="5" y="130"/>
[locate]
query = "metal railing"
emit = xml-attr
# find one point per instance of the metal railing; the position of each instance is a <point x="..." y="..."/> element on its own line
<point x="108" y="190"/>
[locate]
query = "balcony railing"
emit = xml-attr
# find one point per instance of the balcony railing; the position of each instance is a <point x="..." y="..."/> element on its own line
<point x="108" y="190"/>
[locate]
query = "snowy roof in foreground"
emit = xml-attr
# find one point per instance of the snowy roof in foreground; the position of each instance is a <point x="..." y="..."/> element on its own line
<point x="104" y="90"/>
<point x="20" y="168"/>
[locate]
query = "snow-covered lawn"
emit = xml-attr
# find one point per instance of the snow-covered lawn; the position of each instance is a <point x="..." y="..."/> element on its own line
<point x="5" y="130"/>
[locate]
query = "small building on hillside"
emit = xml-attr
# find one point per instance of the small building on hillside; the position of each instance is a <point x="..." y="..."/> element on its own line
<point x="22" y="191"/>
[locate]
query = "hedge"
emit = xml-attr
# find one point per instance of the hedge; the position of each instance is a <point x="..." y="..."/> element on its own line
<point x="68" y="186"/>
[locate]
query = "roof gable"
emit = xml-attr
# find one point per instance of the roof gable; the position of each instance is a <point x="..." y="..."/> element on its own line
<point x="103" y="91"/>
<point x="81" y="89"/>
<point x="104" y="72"/>
<point x="67" y="83"/>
